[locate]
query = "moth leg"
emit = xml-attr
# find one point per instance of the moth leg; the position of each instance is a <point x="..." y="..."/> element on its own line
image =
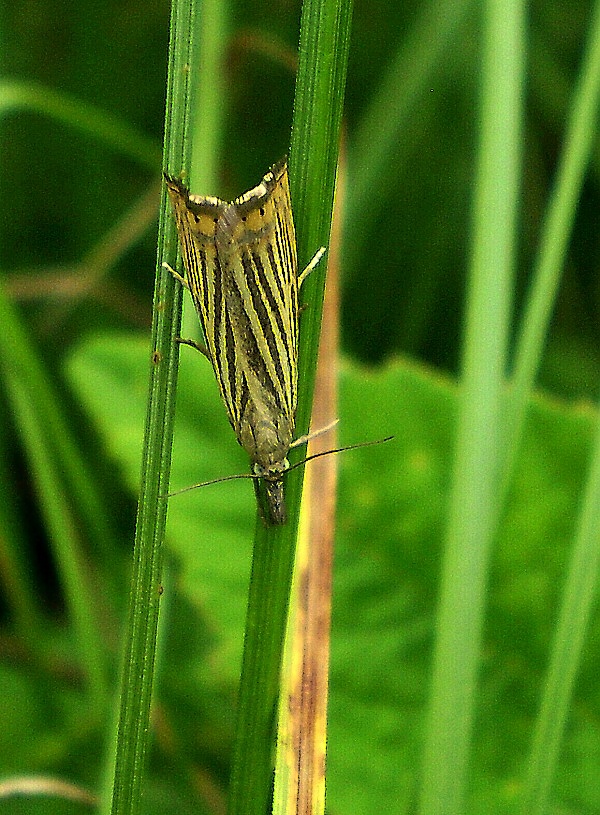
<point x="197" y="345"/>
<point x="314" y="434"/>
<point x="314" y="262"/>
<point x="176" y="275"/>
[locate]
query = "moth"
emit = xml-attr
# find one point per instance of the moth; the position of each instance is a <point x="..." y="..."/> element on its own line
<point x="241" y="270"/>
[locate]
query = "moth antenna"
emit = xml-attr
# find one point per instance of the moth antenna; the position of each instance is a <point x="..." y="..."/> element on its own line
<point x="256" y="477"/>
<point x="339" y="450"/>
<point x="212" y="481"/>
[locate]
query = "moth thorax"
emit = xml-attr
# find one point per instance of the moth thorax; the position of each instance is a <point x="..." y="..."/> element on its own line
<point x="236" y="230"/>
<point x="267" y="441"/>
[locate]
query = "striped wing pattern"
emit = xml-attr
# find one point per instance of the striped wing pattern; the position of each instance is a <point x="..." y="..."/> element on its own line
<point x="241" y="269"/>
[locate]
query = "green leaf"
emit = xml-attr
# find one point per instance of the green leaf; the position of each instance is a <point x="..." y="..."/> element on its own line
<point x="391" y="506"/>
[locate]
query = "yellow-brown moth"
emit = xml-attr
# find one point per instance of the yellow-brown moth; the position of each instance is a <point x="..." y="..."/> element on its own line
<point x="242" y="273"/>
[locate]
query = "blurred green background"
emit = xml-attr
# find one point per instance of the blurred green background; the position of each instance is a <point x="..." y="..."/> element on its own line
<point x="79" y="195"/>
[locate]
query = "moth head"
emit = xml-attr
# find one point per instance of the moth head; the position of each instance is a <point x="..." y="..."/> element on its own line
<point x="274" y="472"/>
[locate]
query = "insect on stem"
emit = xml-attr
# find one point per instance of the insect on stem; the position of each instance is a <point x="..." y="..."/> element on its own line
<point x="241" y="270"/>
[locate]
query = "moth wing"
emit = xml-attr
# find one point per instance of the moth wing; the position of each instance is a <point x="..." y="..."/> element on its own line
<point x="257" y="249"/>
<point x="241" y="268"/>
<point x="197" y="218"/>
